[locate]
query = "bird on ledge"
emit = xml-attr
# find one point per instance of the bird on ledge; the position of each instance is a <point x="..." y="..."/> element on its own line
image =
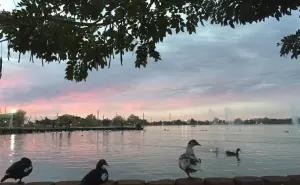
<point x="18" y="170"/>
<point x="188" y="162"/>
<point x="96" y="176"/>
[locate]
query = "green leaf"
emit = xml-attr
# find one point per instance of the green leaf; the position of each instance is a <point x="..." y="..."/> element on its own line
<point x="177" y="29"/>
<point x="169" y="31"/>
<point x="69" y="72"/>
<point x="231" y="24"/>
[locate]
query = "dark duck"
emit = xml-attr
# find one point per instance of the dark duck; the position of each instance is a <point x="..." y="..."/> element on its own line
<point x="188" y="162"/>
<point x="230" y="153"/>
<point x="96" y="176"/>
<point x="18" y="170"/>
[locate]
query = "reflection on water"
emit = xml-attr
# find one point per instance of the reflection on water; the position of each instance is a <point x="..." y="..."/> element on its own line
<point x="12" y="142"/>
<point x="217" y="154"/>
<point x="105" y="140"/>
<point x="153" y="154"/>
<point x="60" y="141"/>
<point x="12" y="146"/>
<point x="69" y="140"/>
<point x="184" y="132"/>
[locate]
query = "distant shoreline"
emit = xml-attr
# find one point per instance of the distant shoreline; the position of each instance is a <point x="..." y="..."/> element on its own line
<point x="30" y="130"/>
<point x="219" y="124"/>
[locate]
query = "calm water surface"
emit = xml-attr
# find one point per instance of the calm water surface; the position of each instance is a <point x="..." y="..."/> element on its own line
<point x="153" y="154"/>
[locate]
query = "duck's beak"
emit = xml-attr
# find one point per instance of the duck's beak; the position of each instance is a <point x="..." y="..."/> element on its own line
<point x="198" y="144"/>
<point x="106" y="164"/>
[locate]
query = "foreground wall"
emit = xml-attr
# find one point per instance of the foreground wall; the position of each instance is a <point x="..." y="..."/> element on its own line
<point x="245" y="180"/>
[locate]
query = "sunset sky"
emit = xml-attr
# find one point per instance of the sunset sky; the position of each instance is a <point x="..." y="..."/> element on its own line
<point x="218" y="70"/>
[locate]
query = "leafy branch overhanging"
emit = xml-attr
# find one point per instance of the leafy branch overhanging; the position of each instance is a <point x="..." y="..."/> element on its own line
<point x="89" y="33"/>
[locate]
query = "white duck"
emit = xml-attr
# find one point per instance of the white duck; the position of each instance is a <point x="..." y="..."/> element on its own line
<point x="214" y="150"/>
<point x="188" y="162"/>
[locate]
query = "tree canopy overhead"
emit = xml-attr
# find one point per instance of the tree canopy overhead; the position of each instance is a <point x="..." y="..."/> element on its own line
<point x="87" y="34"/>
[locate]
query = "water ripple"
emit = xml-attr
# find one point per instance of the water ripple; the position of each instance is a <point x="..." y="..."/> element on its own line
<point x="153" y="154"/>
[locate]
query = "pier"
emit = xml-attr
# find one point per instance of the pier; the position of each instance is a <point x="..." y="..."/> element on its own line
<point x="244" y="180"/>
<point x="24" y="130"/>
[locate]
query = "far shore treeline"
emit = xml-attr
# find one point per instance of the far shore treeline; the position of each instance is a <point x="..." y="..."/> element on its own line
<point x="21" y="120"/>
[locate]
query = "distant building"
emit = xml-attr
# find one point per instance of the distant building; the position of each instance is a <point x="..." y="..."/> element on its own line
<point x="6" y="120"/>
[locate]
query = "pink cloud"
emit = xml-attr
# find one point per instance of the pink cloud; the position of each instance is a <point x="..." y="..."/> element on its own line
<point x="84" y="103"/>
<point x="12" y="78"/>
<point x="127" y="99"/>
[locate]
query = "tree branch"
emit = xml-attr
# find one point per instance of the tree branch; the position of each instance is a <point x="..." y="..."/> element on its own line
<point x="62" y="20"/>
<point x="3" y="40"/>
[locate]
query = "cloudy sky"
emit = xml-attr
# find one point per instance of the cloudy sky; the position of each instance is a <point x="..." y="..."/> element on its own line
<point x="218" y="71"/>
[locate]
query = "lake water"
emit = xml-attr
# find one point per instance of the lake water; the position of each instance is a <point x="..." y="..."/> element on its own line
<point x="153" y="154"/>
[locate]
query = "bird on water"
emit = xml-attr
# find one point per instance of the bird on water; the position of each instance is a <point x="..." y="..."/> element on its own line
<point x="214" y="150"/>
<point x="230" y="153"/>
<point x="18" y="170"/>
<point x="96" y="176"/>
<point x="188" y="162"/>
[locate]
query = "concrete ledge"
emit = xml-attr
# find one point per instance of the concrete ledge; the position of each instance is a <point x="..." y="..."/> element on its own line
<point x="110" y="182"/>
<point x="40" y="183"/>
<point x="188" y="181"/>
<point x="295" y="179"/>
<point x="276" y="180"/>
<point x="248" y="180"/>
<point x="68" y="183"/>
<point x="131" y="182"/>
<point x="218" y="181"/>
<point x="161" y="182"/>
<point x="242" y="180"/>
<point x="9" y="183"/>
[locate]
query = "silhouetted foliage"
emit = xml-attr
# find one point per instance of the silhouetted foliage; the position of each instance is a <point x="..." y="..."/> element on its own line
<point x="19" y="117"/>
<point x="90" y="120"/>
<point x="106" y="122"/>
<point x="180" y="122"/>
<point x="133" y="119"/>
<point x="217" y="121"/>
<point x="138" y="126"/>
<point x="64" y="120"/>
<point x="193" y="122"/>
<point x="238" y="121"/>
<point x="269" y="121"/>
<point x="46" y="122"/>
<point x="91" y="117"/>
<point x="88" y="34"/>
<point x="67" y="120"/>
<point x="118" y="120"/>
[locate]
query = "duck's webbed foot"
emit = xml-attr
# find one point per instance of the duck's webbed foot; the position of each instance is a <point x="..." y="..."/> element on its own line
<point x="20" y="182"/>
<point x="189" y="175"/>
